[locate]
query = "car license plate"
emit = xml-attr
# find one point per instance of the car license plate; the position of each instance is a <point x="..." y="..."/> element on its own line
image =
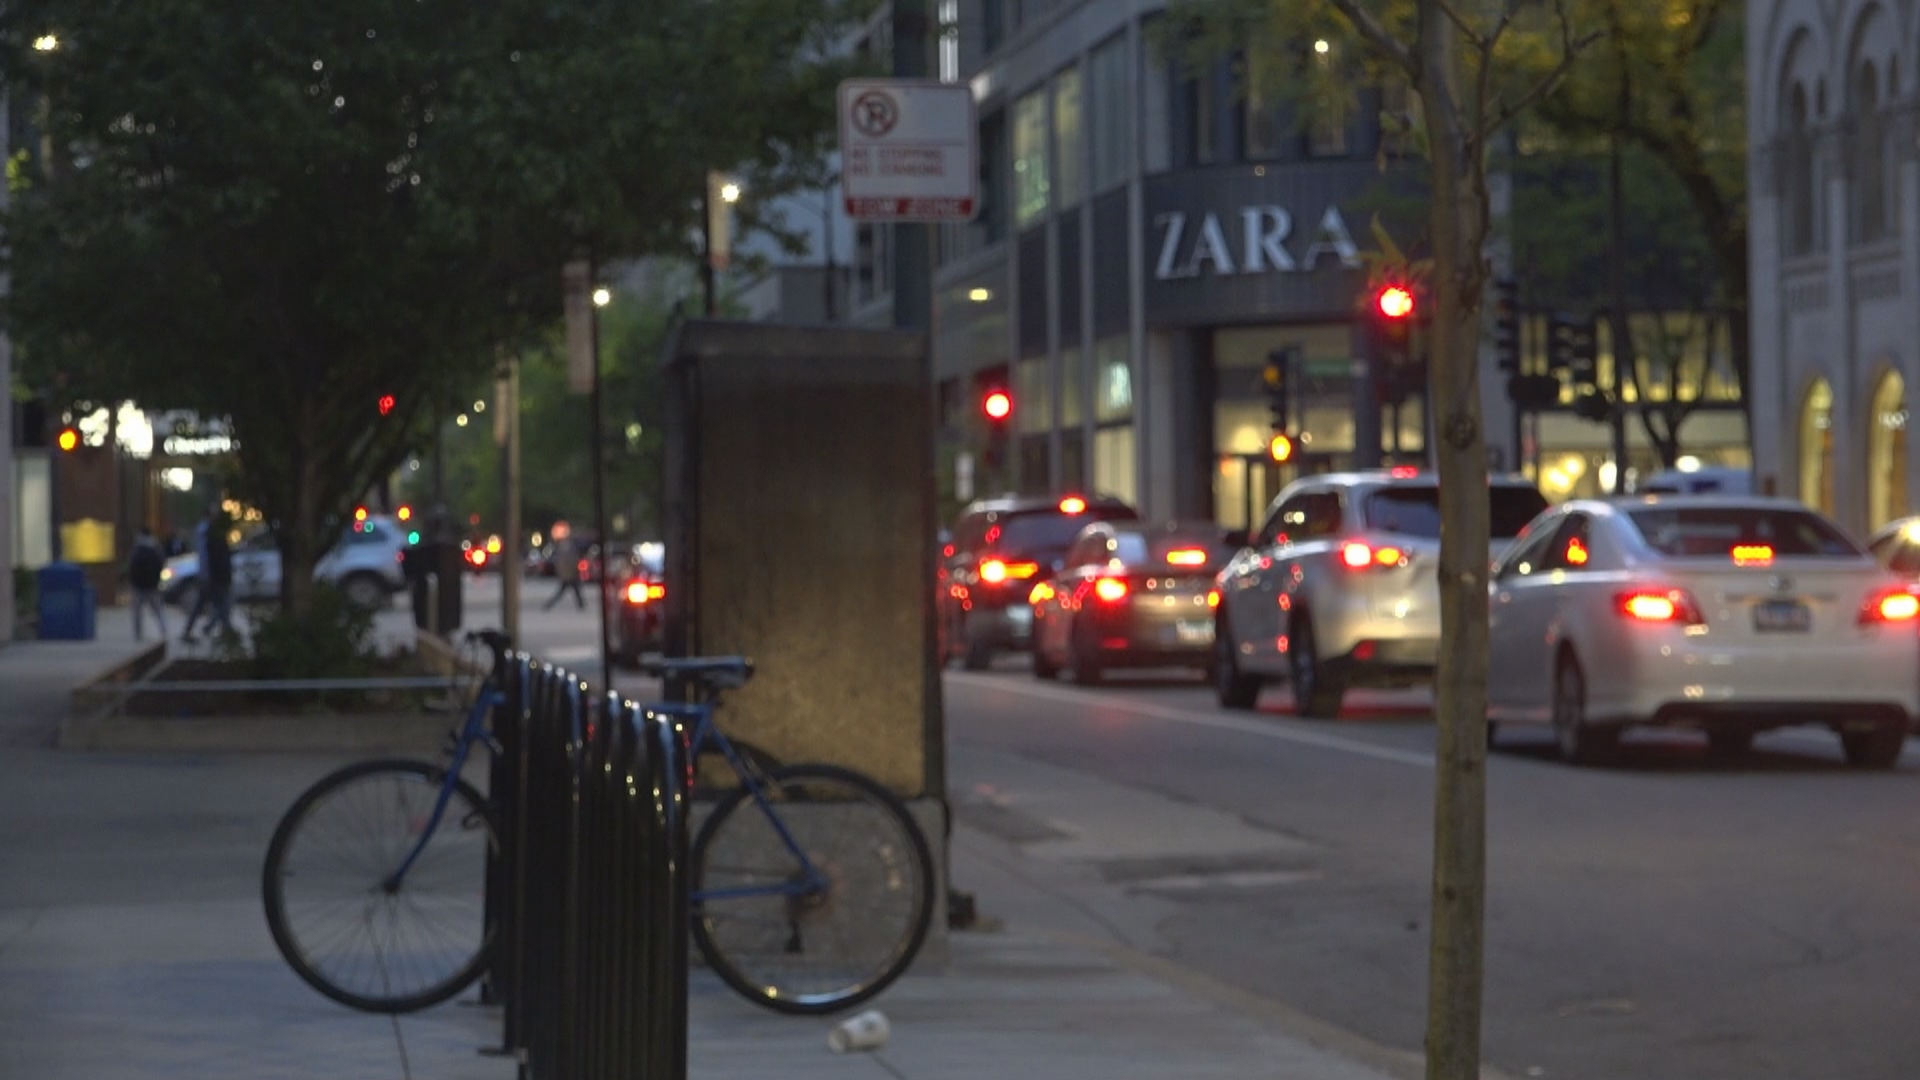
<point x="1194" y="631"/>
<point x="1782" y="616"/>
<point x="1019" y="614"/>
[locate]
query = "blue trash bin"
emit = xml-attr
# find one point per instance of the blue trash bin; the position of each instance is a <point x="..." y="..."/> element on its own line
<point x="66" y="603"/>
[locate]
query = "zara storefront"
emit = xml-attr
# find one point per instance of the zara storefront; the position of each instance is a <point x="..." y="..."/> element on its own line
<point x="1148" y="237"/>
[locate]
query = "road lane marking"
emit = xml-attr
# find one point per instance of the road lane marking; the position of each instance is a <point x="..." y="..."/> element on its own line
<point x="1269" y="729"/>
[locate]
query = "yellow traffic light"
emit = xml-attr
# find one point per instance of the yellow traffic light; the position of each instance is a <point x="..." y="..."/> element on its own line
<point x="1280" y="447"/>
<point x="68" y="438"/>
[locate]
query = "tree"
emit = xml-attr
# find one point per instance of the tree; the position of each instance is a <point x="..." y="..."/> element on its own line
<point x="283" y="214"/>
<point x="1462" y="60"/>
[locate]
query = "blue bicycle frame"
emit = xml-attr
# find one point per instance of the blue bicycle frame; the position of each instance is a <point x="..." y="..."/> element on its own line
<point x="473" y="729"/>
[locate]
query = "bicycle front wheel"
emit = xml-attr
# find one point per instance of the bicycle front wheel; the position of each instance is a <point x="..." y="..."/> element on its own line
<point x="810" y="943"/>
<point x="337" y="912"/>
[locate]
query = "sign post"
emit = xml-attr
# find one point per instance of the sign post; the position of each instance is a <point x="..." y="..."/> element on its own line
<point x="909" y="150"/>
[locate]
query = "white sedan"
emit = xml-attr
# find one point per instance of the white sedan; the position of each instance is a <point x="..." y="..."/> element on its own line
<point x="1729" y="615"/>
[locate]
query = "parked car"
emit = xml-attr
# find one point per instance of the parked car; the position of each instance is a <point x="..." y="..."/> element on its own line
<point x="636" y="596"/>
<point x="1130" y="594"/>
<point x="1897" y="547"/>
<point x="1729" y="615"/>
<point x="1708" y="481"/>
<point x="1001" y="548"/>
<point x="1338" y="588"/>
<point x="365" y="564"/>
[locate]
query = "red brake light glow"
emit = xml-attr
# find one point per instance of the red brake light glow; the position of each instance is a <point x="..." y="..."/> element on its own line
<point x="1355" y="555"/>
<point x="1187" y="557"/>
<point x="1752" y="554"/>
<point x="1649" y="605"/>
<point x="1901" y="606"/>
<point x="993" y="571"/>
<point x="636" y="592"/>
<point x="1403" y="472"/>
<point x="1110" y="589"/>
<point x="1041" y="593"/>
<point x="1576" y="552"/>
<point x="1073" y="504"/>
<point x="1213" y="598"/>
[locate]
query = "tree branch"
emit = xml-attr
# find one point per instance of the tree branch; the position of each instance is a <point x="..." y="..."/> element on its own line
<point x="1481" y="44"/>
<point x="1571" y="48"/>
<point x="1377" y="35"/>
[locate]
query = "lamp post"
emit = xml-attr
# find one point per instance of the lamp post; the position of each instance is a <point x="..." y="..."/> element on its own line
<point x="601" y="298"/>
<point x="719" y="194"/>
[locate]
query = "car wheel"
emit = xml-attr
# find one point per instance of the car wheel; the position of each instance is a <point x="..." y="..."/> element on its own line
<point x="1580" y="742"/>
<point x="1316" y="693"/>
<point x="1083" y="657"/>
<point x="365" y="591"/>
<point x="1876" y="749"/>
<point x="1729" y="744"/>
<point x="1235" y="689"/>
<point x="975" y="654"/>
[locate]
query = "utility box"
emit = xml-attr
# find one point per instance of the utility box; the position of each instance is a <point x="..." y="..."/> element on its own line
<point x="66" y="603"/>
<point x="800" y="532"/>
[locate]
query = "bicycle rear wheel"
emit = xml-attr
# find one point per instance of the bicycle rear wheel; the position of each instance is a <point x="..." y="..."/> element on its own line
<point x="796" y="950"/>
<point x="329" y="907"/>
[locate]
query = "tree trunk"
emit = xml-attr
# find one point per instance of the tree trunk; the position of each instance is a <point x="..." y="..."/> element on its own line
<point x="300" y="535"/>
<point x="1459" y="225"/>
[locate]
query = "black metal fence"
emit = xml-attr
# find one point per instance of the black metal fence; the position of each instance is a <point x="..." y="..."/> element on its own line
<point x="588" y="895"/>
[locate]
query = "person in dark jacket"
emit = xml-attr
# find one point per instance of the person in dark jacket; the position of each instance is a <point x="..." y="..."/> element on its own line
<point x="216" y="574"/>
<point x="144" y="565"/>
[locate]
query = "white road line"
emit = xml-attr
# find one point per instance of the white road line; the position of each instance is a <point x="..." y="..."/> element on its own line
<point x="1268" y="729"/>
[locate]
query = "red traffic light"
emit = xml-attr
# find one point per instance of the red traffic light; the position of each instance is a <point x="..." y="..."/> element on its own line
<point x="68" y="438"/>
<point x="1394" y="301"/>
<point x="386" y="404"/>
<point x="998" y="405"/>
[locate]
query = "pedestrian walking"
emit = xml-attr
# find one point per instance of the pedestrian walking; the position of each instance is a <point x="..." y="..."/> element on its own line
<point x="566" y="568"/>
<point x="144" y="565"/>
<point x="216" y="574"/>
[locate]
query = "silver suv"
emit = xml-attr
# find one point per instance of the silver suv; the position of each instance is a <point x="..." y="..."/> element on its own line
<point x="364" y="564"/>
<point x="1338" y="587"/>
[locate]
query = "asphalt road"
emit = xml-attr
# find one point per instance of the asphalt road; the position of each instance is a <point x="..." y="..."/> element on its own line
<point x="1669" y="918"/>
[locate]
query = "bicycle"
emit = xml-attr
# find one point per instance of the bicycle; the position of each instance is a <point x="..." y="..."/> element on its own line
<point x="765" y="888"/>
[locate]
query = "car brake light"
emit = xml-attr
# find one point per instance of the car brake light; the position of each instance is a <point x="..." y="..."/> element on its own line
<point x="993" y="571"/>
<point x="1041" y="593"/>
<point x="1358" y="556"/>
<point x="1073" y="504"/>
<point x="636" y="592"/>
<point x="1752" y="554"/>
<point x="1576" y="552"/>
<point x="1187" y="557"/>
<point x="1213" y="597"/>
<point x="1899" y="606"/>
<point x="1674" y="605"/>
<point x="1403" y="472"/>
<point x="1110" y="589"/>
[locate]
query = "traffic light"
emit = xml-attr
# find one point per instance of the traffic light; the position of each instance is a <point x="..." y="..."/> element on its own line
<point x="1277" y="379"/>
<point x="68" y="439"/>
<point x="1394" y="303"/>
<point x="405" y="513"/>
<point x="1571" y="348"/>
<point x="386" y="404"/>
<point x="1506" y="324"/>
<point x="1280" y="447"/>
<point x="997" y="404"/>
<point x="1391" y="314"/>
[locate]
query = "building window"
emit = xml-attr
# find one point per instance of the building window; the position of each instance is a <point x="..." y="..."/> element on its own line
<point x="1266" y="112"/>
<point x="1073" y="387"/>
<point x="1069" y="139"/>
<point x="1816" y="448"/>
<point x="990" y="224"/>
<point x="993" y="27"/>
<point x="1869" y="160"/>
<point x="1032" y="395"/>
<point x="1110" y="113"/>
<point x="1887" y="452"/>
<point x="1113" y="467"/>
<point x="1797" y="149"/>
<point x="1113" y="372"/>
<point x="1330" y="112"/>
<point x="1029" y="159"/>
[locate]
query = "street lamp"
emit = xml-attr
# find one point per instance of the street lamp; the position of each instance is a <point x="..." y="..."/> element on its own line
<point x="46" y="43"/>
<point x="713" y="236"/>
<point x="602" y="297"/>
<point x="730" y="192"/>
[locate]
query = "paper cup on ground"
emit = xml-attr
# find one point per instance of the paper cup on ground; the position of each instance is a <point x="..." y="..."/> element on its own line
<point x="866" y="1031"/>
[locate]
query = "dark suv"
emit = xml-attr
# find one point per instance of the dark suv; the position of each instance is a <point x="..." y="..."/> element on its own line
<point x="1000" y="549"/>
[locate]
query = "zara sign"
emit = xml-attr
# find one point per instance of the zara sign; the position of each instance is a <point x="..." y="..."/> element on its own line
<point x="1252" y="241"/>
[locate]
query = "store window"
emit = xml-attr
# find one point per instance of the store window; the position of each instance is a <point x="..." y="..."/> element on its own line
<point x="1073" y="387"/>
<point x="1797" y="154"/>
<point x="1032" y="395"/>
<point x="1110" y="113"/>
<point x="1113" y="467"/>
<point x="1113" y="393"/>
<point x="1887" y="452"/>
<point x="1816" y="448"/>
<point x="1030" y="185"/>
<point x="1069" y="139"/>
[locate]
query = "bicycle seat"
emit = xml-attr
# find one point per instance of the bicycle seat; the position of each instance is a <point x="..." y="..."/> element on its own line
<point x="718" y="672"/>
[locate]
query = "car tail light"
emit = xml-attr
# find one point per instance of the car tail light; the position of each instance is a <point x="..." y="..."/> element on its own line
<point x="1073" y="504"/>
<point x="636" y="592"/>
<point x="1653" y="605"/>
<point x="1752" y="554"/>
<point x="1213" y="597"/>
<point x="1041" y="593"/>
<point x="995" y="571"/>
<point x="1187" y="557"/>
<point x="1890" y="607"/>
<point x="1355" y="555"/>
<point x="1109" y="589"/>
<point x="1403" y="472"/>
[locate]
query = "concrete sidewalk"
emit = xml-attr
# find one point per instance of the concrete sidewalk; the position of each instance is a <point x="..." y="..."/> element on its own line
<point x="132" y="946"/>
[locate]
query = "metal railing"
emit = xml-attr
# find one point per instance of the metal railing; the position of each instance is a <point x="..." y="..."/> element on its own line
<point x="587" y="894"/>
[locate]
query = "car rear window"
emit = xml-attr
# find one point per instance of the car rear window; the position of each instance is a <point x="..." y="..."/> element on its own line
<point x="1047" y="534"/>
<point x="1175" y="553"/>
<point x="1414" y="510"/>
<point x="1716" y="530"/>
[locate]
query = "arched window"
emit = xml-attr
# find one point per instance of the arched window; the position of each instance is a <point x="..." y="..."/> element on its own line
<point x="1887" y="452"/>
<point x="1797" y="148"/>
<point x="1869" y="159"/>
<point x="1816" y="448"/>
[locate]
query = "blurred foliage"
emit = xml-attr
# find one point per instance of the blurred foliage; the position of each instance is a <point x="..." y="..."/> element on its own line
<point x="330" y="639"/>
<point x="279" y="213"/>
